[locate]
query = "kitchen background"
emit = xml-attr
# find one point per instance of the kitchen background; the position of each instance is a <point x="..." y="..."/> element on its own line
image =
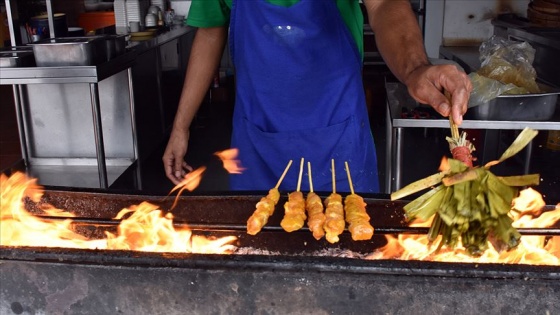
<point x="452" y="29"/>
<point x="447" y="22"/>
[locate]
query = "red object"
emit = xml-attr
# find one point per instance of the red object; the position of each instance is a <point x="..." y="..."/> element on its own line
<point x="90" y="21"/>
<point x="463" y="154"/>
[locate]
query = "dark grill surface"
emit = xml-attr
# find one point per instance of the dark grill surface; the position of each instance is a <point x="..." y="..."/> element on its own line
<point x="298" y="279"/>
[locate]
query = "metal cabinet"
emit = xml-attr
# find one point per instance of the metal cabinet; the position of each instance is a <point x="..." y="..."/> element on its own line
<point x="127" y="99"/>
<point x="56" y="107"/>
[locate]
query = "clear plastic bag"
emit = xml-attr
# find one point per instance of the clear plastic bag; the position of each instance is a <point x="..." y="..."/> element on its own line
<point x="486" y="89"/>
<point x="509" y="62"/>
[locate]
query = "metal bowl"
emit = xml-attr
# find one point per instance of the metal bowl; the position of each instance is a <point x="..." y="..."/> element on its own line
<point x="521" y="107"/>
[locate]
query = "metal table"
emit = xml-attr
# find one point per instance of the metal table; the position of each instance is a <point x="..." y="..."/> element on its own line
<point x="396" y="124"/>
<point x="91" y="75"/>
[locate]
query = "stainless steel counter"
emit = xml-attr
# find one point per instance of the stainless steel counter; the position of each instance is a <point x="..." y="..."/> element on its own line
<point x="51" y="113"/>
<point x="162" y="38"/>
<point x="75" y="74"/>
<point x="91" y="75"/>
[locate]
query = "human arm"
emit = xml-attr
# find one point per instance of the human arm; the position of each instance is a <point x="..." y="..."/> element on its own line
<point x="206" y="53"/>
<point x="399" y="40"/>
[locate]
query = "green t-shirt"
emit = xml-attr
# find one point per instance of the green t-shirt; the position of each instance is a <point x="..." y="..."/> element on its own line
<point x="212" y="13"/>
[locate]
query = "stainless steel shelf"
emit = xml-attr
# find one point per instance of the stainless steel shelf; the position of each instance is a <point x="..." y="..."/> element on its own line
<point x="396" y="124"/>
<point x="91" y="75"/>
<point x="73" y="74"/>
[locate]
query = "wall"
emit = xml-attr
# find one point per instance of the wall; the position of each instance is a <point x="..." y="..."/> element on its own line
<point x="72" y="8"/>
<point x="464" y="22"/>
<point x="181" y="7"/>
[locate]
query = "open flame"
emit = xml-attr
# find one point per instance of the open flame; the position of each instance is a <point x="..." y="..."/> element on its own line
<point x="231" y="164"/>
<point x="526" y="212"/>
<point x="192" y="179"/>
<point x="146" y="228"/>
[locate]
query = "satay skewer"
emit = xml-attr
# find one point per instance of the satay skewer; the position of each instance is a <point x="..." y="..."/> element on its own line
<point x="265" y="207"/>
<point x="283" y="175"/>
<point x="314" y="207"/>
<point x="294" y="208"/>
<point x="349" y="177"/>
<point x="355" y="212"/>
<point x="334" y="222"/>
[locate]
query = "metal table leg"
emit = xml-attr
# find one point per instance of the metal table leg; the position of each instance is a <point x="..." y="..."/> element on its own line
<point x="98" y="131"/>
<point x="389" y="153"/>
<point x="528" y="154"/>
<point x="134" y="130"/>
<point x="20" y="114"/>
<point x="491" y="145"/>
<point x="398" y="138"/>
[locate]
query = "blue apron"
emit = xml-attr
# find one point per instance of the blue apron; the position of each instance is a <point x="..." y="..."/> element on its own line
<point x="299" y="94"/>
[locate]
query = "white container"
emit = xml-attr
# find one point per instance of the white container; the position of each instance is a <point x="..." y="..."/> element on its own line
<point x="161" y="4"/>
<point x="136" y="11"/>
<point x="121" y="20"/>
<point x="151" y="20"/>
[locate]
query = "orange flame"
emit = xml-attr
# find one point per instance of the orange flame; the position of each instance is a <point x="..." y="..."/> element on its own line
<point x="535" y="250"/>
<point x="231" y="165"/>
<point x="529" y="201"/>
<point x="190" y="182"/>
<point x="146" y="229"/>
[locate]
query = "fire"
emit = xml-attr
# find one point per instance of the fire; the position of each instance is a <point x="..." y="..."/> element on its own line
<point x="191" y="180"/>
<point x="526" y="212"/>
<point x="231" y="165"/>
<point x="145" y="228"/>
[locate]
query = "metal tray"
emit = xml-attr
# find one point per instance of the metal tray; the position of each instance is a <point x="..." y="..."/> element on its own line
<point x="70" y="51"/>
<point x="16" y="58"/>
<point x="523" y="107"/>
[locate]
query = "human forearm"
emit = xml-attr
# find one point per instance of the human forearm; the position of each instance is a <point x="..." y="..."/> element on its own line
<point x="206" y="53"/>
<point x="400" y="42"/>
<point x="397" y="35"/>
<point x="205" y="56"/>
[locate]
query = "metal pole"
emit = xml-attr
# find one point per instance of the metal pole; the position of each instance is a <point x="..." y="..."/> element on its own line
<point x="98" y="131"/>
<point x="389" y="151"/>
<point x="13" y="28"/>
<point x="528" y="155"/>
<point x="398" y="136"/>
<point x="51" y="19"/>
<point x="134" y="129"/>
<point x="20" y="114"/>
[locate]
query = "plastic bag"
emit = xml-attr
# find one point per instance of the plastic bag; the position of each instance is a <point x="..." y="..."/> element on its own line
<point x="509" y="62"/>
<point x="486" y="89"/>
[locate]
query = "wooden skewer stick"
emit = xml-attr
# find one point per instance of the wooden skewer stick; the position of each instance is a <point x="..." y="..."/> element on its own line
<point x="300" y="173"/>
<point x="454" y="128"/>
<point x="309" y="176"/>
<point x="283" y="174"/>
<point x="333" y="177"/>
<point x="452" y="125"/>
<point x="349" y="177"/>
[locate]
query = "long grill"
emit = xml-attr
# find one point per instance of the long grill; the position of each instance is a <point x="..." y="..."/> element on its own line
<point x="272" y="272"/>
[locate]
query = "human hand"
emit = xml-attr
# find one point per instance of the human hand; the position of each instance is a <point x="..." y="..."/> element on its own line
<point x="427" y="83"/>
<point x="174" y="156"/>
